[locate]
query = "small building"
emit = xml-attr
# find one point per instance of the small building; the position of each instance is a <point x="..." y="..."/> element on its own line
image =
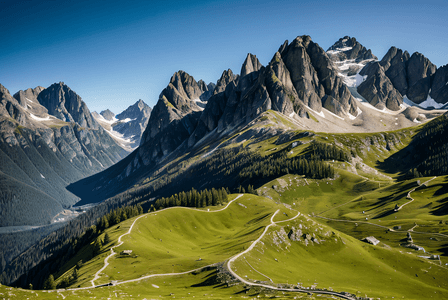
<point x="415" y="247"/>
<point x="126" y="252"/>
<point x="371" y="240"/>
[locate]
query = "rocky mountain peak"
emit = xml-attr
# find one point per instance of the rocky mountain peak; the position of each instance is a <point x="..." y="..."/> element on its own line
<point x="181" y="91"/>
<point x="10" y="107"/>
<point x="107" y="114"/>
<point x="347" y="48"/>
<point x="30" y="94"/>
<point x="186" y="85"/>
<point x="283" y="47"/>
<point x="419" y="72"/>
<point x="315" y="78"/>
<point x="207" y="90"/>
<point x="251" y="64"/>
<point x="66" y="105"/>
<point x="227" y="76"/>
<point x="138" y="110"/>
<point x="3" y="90"/>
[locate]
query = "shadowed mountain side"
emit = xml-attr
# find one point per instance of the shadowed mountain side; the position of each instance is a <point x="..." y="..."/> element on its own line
<point x="425" y="155"/>
<point x="42" y="153"/>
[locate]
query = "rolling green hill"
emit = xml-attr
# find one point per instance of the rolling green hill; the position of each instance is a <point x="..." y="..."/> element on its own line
<point x="279" y="245"/>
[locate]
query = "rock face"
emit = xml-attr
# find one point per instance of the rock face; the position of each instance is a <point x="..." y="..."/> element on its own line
<point x="66" y="105"/>
<point x="28" y="95"/>
<point x="419" y="72"/>
<point x="349" y="56"/>
<point x="172" y="120"/>
<point x="439" y="89"/>
<point x="107" y="114"/>
<point x="133" y="120"/>
<point x="411" y="76"/>
<point x="40" y="154"/>
<point x="377" y="89"/>
<point x="394" y="64"/>
<point x="348" y="48"/>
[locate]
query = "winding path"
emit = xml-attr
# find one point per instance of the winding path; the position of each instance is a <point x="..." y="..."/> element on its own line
<point x="120" y="242"/>
<point x="231" y="260"/>
<point x="385" y="227"/>
<point x="409" y="193"/>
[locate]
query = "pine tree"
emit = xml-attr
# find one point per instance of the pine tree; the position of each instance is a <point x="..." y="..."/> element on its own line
<point x="75" y="274"/>
<point x="97" y="247"/>
<point x="50" y="284"/>
<point x="106" y="238"/>
<point x="79" y="264"/>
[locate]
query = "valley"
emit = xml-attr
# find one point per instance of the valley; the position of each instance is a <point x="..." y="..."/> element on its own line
<point x="322" y="174"/>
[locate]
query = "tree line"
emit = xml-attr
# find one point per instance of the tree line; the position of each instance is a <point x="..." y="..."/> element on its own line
<point x="193" y="198"/>
<point x="271" y="167"/>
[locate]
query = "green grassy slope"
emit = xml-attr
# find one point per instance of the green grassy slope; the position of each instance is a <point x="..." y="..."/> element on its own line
<point x="341" y="263"/>
<point x="182" y="239"/>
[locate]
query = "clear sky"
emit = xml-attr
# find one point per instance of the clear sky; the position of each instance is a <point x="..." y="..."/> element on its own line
<point x="113" y="53"/>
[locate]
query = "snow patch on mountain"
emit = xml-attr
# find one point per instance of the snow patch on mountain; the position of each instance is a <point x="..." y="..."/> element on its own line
<point x="102" y="119"/>
<point x="39" y="119"/>
<point x="200" y="103"/>
<point x="428" y="103"/>
<point x="338" y="50"/>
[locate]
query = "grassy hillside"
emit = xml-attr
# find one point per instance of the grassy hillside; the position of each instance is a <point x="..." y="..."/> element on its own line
<point x="331" y="260"/>
<point x="303" y="252"/>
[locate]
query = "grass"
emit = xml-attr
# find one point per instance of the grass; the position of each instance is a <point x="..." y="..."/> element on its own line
<point x="200" y="285"/>
<point x="181" y="239"/>
<point x="341" y="263"/>
<point x="317" y="195"/>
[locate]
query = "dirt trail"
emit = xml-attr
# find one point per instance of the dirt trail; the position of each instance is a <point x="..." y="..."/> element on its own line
<point x="120" y="242"/>
<point x="409" y="193"/>
<point x="231" y="260"/>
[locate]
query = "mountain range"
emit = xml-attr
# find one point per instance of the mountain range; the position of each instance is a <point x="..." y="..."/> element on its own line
<point x="54" y="153"/>
<point x="50" y="140"/>
<point x="127" y="127"/>
<point x="329" y="91"/>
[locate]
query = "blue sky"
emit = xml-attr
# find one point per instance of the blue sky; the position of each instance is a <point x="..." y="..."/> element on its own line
<point x="113" y="53"/>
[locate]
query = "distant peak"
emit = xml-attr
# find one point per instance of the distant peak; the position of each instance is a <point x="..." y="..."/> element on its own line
<point x="107" y="114"/>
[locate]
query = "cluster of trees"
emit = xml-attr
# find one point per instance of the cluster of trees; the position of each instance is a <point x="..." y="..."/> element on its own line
<point x="193" y="198"/>
<point x="50" y="283"/>
<point x="118" y="215"/>
<point x="323" y="151"/>
<point x="429" y="148"/>
<point x="274" y="166"/>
